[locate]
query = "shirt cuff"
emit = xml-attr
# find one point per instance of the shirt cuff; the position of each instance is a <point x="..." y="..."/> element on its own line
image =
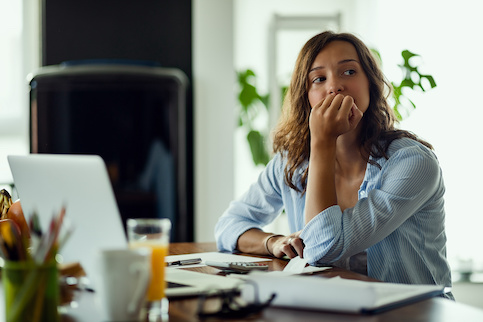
<point x="320" y="233"/>
<point x="228" y="239"/>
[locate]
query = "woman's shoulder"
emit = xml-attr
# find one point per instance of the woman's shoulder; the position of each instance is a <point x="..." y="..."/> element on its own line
<point x="407" y="149"/>
<point x="276" y="167"/>
<point x="409" y="158"/>
<point x="409" y="146"/>
<point x="278" y="163"/>
<point x="280" y="159"/>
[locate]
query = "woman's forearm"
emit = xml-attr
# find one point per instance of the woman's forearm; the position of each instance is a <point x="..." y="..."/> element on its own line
<point x="321" y="192"/>
<point x="256" y="241"/>
<point x="253" y="242"/>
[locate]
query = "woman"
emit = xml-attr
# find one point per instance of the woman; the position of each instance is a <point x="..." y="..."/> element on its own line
<point x="358" y="193"/>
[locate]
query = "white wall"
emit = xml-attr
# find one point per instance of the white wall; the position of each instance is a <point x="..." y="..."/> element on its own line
<point x="214" y="105"/>
<point x="23" y="54"/>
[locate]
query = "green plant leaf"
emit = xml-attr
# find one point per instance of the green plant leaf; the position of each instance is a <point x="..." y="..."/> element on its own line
<point x="407" y="82"/>
<point x="244" y="76"/>
<point x="265" y="100"/>
<point x="413" y="105"/>
<point x="284" y="92"/>
<point x="396" y="111"/>
<point x="256" y="142"/>
<point x="250" y="104"/>
<point x="407" y="55"/>
<point x="430" y="80"/>
<point x="248" y="94"/>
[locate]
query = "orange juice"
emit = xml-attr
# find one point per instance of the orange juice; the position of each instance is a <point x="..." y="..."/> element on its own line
<point x="158" y="283"/>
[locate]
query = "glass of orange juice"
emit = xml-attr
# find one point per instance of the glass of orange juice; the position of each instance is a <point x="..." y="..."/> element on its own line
<point x="153" y="233"/>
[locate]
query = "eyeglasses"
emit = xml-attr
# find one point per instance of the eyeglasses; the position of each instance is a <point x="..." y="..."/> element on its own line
<point x="231" y="305"/>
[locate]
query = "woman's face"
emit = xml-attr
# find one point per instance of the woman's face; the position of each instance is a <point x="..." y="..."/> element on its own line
<point x="337" y="70"/>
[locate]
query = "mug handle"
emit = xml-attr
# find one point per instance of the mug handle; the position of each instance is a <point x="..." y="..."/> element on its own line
<point x="144" y="276"/>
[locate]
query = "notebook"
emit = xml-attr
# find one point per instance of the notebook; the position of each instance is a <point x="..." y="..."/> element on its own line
<point x="335" y="294"/>
<point x="46" y="182"/>
<point x="182" y="283"/>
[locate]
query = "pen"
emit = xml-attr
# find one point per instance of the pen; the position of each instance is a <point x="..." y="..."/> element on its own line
<point x="183" y="262"/>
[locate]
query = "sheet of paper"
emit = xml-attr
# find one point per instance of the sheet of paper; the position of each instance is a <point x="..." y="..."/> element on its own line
<point x="213" y="256"/>
<point x="296" y="265"/>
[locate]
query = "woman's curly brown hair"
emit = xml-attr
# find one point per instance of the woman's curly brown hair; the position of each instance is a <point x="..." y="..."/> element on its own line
<point x="292" y="135"/>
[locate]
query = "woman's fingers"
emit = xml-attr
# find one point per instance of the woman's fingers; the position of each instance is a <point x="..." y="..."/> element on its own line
<point x="294" y="247"/>
<point x="289" y="251"/>
<point x="298" y="245"/>
<point x="291" y="246"/>
<point x="355" y="116"/>
<point x="333" y="104"/>
<point x="324" y="104"/>
<point x="346" y="105"/>
<point x="334" y="115"/>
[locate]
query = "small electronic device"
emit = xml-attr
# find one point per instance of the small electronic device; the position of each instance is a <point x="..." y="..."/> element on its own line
<point x="238" y="267"/>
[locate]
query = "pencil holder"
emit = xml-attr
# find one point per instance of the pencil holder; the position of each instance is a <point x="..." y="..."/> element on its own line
<point x="31" y="291"/>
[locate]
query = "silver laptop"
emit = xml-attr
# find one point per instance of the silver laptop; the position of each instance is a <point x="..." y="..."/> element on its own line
<point x="46" y="182"/>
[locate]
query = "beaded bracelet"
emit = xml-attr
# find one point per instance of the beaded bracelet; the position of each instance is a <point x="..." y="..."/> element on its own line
<point x="266" y="243"/>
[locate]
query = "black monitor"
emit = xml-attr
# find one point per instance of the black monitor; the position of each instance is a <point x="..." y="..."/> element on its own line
<point x="134" y="117"/>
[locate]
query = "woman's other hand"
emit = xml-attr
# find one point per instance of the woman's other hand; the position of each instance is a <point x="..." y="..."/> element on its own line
<point x="291" y="245"/>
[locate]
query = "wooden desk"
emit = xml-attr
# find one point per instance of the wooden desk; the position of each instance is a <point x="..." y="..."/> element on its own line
<point x="185" y="310"/>
<point x="434" y="309"/>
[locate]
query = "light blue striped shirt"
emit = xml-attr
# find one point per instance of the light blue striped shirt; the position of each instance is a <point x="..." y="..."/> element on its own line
<point x="398" y="219"/>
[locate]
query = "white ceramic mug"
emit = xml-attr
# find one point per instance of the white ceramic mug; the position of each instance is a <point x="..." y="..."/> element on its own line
<point x="123" y="279"/>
